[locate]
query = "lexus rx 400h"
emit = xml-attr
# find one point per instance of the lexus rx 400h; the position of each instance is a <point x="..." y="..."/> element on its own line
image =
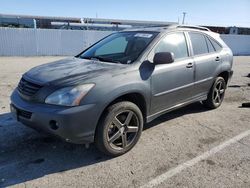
<point x="106" y="93"/>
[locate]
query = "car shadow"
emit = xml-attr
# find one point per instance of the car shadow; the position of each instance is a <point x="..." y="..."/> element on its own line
<point x="189" y="109"/>
<point x="26" y="155"/>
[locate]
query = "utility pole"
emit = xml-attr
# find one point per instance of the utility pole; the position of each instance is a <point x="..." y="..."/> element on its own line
<point x="184" y="15"/>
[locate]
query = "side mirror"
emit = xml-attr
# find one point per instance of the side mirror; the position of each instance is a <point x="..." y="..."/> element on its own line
<point x="163" y="58"/>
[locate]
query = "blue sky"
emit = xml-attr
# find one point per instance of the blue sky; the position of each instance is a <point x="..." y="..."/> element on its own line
<point x="206" y="12"/>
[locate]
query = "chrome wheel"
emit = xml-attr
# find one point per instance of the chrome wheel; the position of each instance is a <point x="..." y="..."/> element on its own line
<point x="123" y="130"/>
<point x="219" y="91"/>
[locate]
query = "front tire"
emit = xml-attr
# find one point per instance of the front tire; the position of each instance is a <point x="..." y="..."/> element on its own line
<point x="119" y="128"/>
<point x="216" y="94"/>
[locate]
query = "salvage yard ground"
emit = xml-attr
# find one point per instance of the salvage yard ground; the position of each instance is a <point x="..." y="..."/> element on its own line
<point x="189" y="147"/>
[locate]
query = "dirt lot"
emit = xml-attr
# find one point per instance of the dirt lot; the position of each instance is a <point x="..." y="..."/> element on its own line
<point x="190" y="147"/>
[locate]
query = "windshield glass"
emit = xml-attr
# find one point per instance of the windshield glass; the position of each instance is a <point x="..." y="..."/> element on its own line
<point x="124" y="47"/>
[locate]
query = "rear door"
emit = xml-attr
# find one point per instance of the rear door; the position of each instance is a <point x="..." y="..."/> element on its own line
<point x="172" y="84"/>
<point x="206" y="60"/>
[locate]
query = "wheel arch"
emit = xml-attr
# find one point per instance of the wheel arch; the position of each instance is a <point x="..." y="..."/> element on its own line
<point x="135" y="97"/>
<point x="225" y="75"/>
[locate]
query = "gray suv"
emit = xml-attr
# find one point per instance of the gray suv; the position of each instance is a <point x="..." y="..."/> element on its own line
<point x="106" y="93"/>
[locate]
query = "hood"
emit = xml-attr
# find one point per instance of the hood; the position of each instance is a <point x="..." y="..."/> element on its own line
<point x="71" y="70"/>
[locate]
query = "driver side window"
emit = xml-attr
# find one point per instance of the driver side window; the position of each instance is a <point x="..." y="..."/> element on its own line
<point x="175" y="43"/>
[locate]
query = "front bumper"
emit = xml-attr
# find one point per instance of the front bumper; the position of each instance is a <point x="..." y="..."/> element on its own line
<point x="73" y="124"/>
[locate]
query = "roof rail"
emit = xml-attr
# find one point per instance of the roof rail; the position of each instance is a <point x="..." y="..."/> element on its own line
<point x="193" y="27"/>
<point x="149" y="26"/>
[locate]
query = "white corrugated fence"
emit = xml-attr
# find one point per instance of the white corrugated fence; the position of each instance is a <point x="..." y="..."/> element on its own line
<point x="239" y="44"/>
<point x="39" y="42"/>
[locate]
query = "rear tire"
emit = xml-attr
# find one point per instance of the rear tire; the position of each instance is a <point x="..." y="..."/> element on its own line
<point x="216" y="94"/>
<point x="119" y="128"/>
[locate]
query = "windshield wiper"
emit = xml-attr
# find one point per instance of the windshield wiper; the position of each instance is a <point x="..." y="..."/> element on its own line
<point x="101" y="58"/>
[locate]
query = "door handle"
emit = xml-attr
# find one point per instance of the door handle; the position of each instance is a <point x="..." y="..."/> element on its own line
<point x="190" y="65"/>
<point x="217" y="59"/>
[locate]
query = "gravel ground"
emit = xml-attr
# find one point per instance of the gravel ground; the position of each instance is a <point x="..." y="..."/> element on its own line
<point x="30" y="159"/>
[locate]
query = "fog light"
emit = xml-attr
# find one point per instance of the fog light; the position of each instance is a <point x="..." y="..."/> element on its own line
<point x="53" y="125"/>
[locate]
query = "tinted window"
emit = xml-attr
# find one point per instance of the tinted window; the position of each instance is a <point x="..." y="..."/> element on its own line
<point x="210" y="46"/>
<point x="175" y="43"/>
<point x="215" y="44"/>
<point x="198" y="43"/>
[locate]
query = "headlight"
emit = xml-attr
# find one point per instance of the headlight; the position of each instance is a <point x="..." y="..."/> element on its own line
<point x="69" y="96"/>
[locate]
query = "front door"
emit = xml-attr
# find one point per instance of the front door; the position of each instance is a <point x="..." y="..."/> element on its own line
<point x="173" y="83"/>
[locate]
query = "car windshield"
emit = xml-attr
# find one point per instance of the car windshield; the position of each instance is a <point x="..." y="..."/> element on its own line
<point x="123" y="47"/>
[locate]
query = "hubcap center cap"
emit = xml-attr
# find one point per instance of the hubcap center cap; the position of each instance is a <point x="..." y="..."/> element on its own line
<point x="122" y="129"/>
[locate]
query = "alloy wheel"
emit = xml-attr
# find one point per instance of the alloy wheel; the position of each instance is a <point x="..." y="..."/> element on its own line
<point x="123" y="130"/>
<point x="218" y="93"/>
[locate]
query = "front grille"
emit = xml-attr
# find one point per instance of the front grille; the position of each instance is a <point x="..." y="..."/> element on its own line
<point x="28" y="88"/>
<point x="24" y="113"/>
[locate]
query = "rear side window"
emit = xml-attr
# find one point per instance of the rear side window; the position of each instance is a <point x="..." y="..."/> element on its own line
<point x="210" y="46"/>
<point x="199" y="43"/>
<point x="215" y="44"/>
<point x="175" y="43"/>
